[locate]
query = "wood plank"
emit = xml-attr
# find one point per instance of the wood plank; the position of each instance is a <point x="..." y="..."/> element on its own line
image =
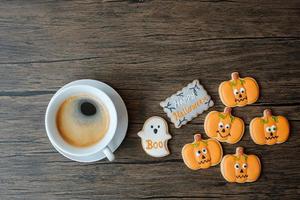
<point x="39" y="31"/>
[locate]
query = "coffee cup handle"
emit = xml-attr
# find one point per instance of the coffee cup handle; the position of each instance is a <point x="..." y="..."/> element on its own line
<point x="109" y="154"/>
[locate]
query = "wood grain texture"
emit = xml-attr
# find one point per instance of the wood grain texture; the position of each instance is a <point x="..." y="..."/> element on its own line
<point x="146" y="50"/>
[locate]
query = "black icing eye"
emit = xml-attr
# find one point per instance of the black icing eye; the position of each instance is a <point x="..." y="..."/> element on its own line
<point x="236" y="166"/>
<point x="221" y="125"/>
<point x="158" y="126"/>
<point x="235" y="91"/>
<point x="151" y="126"/>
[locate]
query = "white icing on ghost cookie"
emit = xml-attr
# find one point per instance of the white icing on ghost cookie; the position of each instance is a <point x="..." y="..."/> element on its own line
<point x="155" y="136"/>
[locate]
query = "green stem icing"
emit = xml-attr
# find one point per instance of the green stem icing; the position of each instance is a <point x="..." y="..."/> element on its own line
<point x="222" y="116"/>
<point x="264" y="121"/>
<point x="195" y="144"/>
<point x="242" y="81"/>
<point x="239" y="157"/>
<point x="231" y="118"/>
<point x="275" y="118"/>
<point x="233" y="83"/>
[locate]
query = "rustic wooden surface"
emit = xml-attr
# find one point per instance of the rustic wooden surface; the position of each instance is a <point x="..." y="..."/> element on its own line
<point x="146" y="50"/>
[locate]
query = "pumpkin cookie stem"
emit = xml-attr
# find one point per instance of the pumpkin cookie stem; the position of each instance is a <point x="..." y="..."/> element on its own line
<point x="267" y="113"/>
<point x="227" y="110"/>
<point x="239" y="151"/>
<point x="235" y="76"/>
<point x="197" y="137"/>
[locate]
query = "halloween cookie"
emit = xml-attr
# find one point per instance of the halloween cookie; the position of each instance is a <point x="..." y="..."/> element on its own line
<point x="155" y="136"/>
<point x="223" y="126"/>
<point x="187" y="103"/>
<point x="238" y="91"/>
<point x="240" y="168"/>
<point x="202" y="154"/>
<point x="269" y="129"/>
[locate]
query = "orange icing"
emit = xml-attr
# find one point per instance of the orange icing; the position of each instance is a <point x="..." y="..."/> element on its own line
<point x="238" y="91"/>
<point x="202" y="154"/>
<point x="269" y="129"/>
<point x="240" y="167"/>
<point x="224" y="127"/>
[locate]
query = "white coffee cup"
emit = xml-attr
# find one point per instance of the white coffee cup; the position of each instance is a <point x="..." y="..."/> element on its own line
<point x="54" y="135"/>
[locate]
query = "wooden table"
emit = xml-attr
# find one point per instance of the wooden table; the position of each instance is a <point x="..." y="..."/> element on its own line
<point x="146" y="50"/>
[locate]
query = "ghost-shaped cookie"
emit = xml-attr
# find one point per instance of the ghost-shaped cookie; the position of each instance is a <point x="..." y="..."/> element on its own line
<point x="155" y="136"/>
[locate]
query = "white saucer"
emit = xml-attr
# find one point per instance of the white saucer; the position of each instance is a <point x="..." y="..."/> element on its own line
<point x="122" y="120"/>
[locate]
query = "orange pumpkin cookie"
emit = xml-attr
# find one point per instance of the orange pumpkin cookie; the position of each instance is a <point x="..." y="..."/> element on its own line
<point x="238" y="91"/>
<point x="269" y="129"/>
<point x="240" y="168"/>
<point x="202" y="154"/>
<point x="223" y="126"/>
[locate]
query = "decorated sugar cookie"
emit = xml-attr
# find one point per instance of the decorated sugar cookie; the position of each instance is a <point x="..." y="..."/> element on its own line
<point x="187" y="103"/>
<point x="223" y="126"/>
<point x="238" y="91"/>
<point x="155" y="136"/>
<point x="240" y="168"/>
<point x="269" y="129"/>
<point x="202" y="154"/>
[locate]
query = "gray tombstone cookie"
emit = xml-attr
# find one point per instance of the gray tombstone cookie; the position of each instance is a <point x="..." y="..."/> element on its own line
<point x="187" y="103"/>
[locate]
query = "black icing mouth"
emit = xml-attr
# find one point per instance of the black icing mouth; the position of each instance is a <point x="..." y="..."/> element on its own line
<point x="222" y="135"/>
<point x="271" y="137"/>
<point x="240" y="100"/>
<point x="204" y="161"/>
<point x="242" y="176"/>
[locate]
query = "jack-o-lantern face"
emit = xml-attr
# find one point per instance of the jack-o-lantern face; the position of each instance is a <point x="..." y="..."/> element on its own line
<point x="240" y="168"/>
<point x="223" y="126"/>
<point x="201" y="154"/>
<point x="269" y="129"/>
<point x="238" y="91"/>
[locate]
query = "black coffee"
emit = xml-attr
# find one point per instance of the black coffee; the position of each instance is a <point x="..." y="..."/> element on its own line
<point x="88" y="108"/>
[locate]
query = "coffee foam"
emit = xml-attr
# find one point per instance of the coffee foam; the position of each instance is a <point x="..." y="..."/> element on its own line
<point x="78" y="129"/>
